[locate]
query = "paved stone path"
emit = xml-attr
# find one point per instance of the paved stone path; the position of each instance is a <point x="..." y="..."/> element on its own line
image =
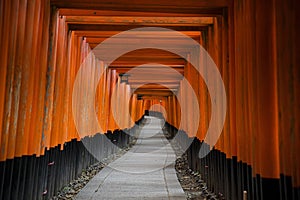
<point x="144" y="172"/>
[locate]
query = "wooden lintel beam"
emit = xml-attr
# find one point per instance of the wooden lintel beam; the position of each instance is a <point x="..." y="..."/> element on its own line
<point x="116" y="42"/>
<point x="101" y="12"/>
<point x="157" y="82"/>
<point x="129" y="66"/>
<point x="177" y="41"/>
<point x="119" y="28"/>
<point x="146" y="21"/>
<point x="162" y="34"/>
<point x="140" y="61"/>
<point x="149" y="53"/>
<point x="153" y="97"/>
<point x="126" y="70"/>
<point x="166" y="6"/>
<point x="154" y="92"/>
<point x="155" y="86"/>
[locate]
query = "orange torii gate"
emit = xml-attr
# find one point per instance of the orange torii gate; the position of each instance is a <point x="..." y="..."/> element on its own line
<point x="253" y="43"/>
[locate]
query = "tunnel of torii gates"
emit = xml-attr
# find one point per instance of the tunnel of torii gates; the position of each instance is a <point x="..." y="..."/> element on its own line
<point x="254" y="44"/>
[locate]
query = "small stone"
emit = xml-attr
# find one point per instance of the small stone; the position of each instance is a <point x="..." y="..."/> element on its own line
<point x="69" y="196"/>
<point x="77" y="186"/>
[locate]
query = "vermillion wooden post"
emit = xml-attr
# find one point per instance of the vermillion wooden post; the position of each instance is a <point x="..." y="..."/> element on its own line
<point x="177" y="113"/>
<point x="232" y="102"/>
<point x="4" y="70"/>
<point x="27" y="79"/>
<point x="127" y="106"/>
<point x="44" y="24"/>
<point x="47" y="127"/>
<point x="296" y="70"/>
<point x="139" y="109"/>
<point x="101" y="90"/>
<point x="92" y="82"/>
<point x="72" y="62"/>
<point x="287" y="41"/>
<point x="169" y="117"/>
<point x="58" y="85"/>
<point x="118" y="105"/>
<point x="112" y="84"/>
<point x="11" y="127"/>
<point x="194" y="81"/>
<point x="188" y="95"/>
<point x="241" y="98"/>
<point x="203" y="101"/>
<point x="38" y="87"/>
<point x="172" y="110"/>
<point x="225" y="167"/>
<point x="225" y="76"/>
<point x="121" y="103"/>
<point x="105" y="102"/>
<point x="181" y="105"/>
<point x="231" y="110"/>
<point x="68" y="87"/>
<point x="164" y="105"/>
<point x="267" y="98"/>
<point x="134" y="109"/>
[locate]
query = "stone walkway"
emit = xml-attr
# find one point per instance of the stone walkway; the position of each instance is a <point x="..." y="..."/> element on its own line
<point x="145" y="172"/>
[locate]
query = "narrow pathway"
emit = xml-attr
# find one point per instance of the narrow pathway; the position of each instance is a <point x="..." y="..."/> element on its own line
<point x="145" y="172"/>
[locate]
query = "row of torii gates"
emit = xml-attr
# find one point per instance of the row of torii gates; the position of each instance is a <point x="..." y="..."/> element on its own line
<point x="47" y="103"/>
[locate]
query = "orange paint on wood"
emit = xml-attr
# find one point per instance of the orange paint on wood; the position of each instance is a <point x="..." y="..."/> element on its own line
<point x="8" y="63"/>
<point x="57" y="116"/>
<point x="100" y="98"/>
<point x="267" y="94"/>
<point x="51" y="68"/>
<point x="37" y="73"/>
<point x="16" y="81"/>
<point x="45" y="11"/>
<point x="134" y="108"/>
<point x="4" y="22"/>
<point x="73" y="66"/>
<point x="112" y="76"/>
<point x="26" y="95"/>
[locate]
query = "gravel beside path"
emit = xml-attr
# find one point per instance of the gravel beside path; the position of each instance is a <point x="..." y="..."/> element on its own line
<point x="73" y="188"/>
